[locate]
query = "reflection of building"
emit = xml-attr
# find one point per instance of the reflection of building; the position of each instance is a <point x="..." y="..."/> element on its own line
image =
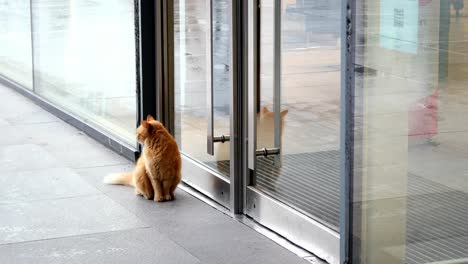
<point x="370" y="154"/>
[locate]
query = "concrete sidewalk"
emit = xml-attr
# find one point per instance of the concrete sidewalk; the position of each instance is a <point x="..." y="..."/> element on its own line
<point x="55" y="209"/>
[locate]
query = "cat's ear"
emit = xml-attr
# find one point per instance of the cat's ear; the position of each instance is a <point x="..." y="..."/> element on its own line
<point x="284" y="113"/>
<point x="265" y="110"/>
<point x="147" y="125"/>
<point x="149" y="118"/>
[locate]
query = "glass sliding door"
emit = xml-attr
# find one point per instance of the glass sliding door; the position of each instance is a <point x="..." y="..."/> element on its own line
<point x="411" y="160"/>
<point x="296" y="119"/>
<point x="202" y="84"/>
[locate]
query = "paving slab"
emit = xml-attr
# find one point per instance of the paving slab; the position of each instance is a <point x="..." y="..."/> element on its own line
<point x="142" y="246"/>
<point x="26" y="157"/>
<point x="42" y="184"/>
<point x="56" y="218"/>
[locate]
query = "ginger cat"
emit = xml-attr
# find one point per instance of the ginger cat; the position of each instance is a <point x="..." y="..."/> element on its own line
<point x="158" y="170"/>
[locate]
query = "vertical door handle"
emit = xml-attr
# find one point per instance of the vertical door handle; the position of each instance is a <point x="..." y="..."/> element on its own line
<point x="209" y="80"/>
<point x="253" y="85"/>
<point x="277" y="80"/>
<point x="252" y="80"/>
<point x="211" y="139"/>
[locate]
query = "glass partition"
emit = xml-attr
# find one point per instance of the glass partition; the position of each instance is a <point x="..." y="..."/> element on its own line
<point x="15" y="42"/>
<point x="85" y="61"/>
<point x="411" y="143"/>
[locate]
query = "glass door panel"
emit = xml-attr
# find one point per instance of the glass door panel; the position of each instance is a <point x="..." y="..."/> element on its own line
<point x="307" y="86"/>
<point x="202" y="81"/>
<point x="296" y="120"/>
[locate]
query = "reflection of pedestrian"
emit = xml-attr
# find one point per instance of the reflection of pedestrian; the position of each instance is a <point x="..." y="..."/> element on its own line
<point x="458" y="5"/>
<point x="423" y="118"/>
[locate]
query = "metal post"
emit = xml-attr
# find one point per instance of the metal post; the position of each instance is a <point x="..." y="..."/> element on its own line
<point x="147" y="57"/>
<point x="444" y="37"/>
<point x="165" y="62"/>
<point x="238" y="53"/>
<point x="348" y="27"/>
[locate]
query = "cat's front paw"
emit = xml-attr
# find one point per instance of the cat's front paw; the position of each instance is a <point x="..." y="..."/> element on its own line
<point x="159" y="198"/>
<point x="168" y="197"/>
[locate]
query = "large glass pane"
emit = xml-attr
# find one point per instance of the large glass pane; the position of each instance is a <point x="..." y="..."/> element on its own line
<point x="15" y="41"/>
<point x="194" y="71"/>
<point x="84" y="55"/>
<point x="411" y="143"/>
<point x="308" y="178"/>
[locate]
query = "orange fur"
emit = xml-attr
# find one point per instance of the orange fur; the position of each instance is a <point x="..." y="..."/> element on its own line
<point x="158" y="170"/>
<point x="266" y="127"/>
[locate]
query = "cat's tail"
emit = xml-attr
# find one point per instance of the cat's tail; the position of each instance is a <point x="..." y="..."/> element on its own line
<point x="125" y="178"/>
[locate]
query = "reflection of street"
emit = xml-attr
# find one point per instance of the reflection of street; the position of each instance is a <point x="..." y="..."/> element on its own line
<point x="310" y="91"/>
<point x="310" y="72"/>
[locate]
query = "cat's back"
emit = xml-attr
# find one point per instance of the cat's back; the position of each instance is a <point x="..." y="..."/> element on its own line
<point x="163" y="150"/>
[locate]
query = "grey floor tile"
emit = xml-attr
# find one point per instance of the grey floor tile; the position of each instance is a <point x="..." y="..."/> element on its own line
<point x="207" y="233"/>
<point x="28" y="113"/>
<point x="76" y="153"/>
<point x="63" y="217"/>
<point x="20" y="110"/>
<point x="62" y="141"/>
<point x="229" y="241"/>
<point x="95" y="175"/>
<point x="52" y="183"/>
<point x="6" y="92"/>
<point x="4" y="122"/>
<point x="142" y="246"/>
<point x="32" y="118"/>
<point x="186" y="210"/>
<point x="39" y="134"/>
<point x="25" y="157"/>
<point x="13" y="104"/>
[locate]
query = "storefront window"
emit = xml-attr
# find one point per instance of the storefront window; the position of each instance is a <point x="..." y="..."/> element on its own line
<point x="411" y="142"/>
<point x="84" y="60"/>
<point x="15" y="42"/>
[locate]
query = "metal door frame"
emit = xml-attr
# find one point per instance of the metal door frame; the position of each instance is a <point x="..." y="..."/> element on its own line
<point x="349" y="22"/>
